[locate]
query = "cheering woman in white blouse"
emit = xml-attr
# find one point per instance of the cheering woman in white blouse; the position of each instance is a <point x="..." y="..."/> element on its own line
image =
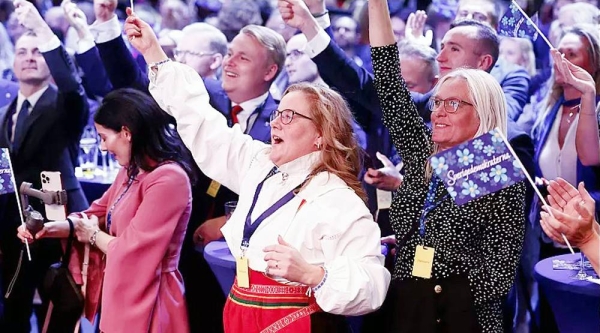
<point x="305" y="244"/>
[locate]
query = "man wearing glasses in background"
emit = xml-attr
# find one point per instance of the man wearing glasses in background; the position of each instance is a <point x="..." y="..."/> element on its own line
<point x="202" y="47"/>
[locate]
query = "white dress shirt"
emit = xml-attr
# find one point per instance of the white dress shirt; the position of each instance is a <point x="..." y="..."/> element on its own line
<point x="556" y="162"/>
<point x="33" y="99"/>
<point x="332" y="227"/>
<point x="248" y="107"/>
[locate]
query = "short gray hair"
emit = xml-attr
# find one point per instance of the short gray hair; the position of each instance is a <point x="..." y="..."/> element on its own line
<point x="217" y="39"/>
<point x="425" y="53"/>
<point x="272" y="41"/>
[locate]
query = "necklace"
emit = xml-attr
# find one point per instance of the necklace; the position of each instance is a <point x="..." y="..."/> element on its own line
<point x="572" y="112"/>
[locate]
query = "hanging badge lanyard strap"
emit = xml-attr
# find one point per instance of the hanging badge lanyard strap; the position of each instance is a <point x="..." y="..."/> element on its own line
<point x="430" y="204"/>
<point x="249" y="227"/>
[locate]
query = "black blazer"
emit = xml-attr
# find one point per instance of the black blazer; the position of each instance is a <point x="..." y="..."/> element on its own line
<point x="52" y="131"/>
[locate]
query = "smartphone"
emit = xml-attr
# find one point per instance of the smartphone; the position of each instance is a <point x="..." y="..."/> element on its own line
<point x="51" y="181"/>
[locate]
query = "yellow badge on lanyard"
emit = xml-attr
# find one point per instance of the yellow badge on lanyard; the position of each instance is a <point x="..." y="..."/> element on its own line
<point x="423" y="262"/>
<point x="241" y="272"/>
<point x="213" y="189"/>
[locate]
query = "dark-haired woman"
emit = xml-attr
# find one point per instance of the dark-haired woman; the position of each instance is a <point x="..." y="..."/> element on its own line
<point x="137" y="227"/>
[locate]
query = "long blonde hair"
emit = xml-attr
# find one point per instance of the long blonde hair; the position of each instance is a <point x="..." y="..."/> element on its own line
<point x="487" y="98"/>
<point x="588" y="33"/>
<point x="340" y="152"/>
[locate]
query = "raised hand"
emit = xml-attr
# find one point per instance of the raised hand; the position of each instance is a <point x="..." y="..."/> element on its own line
<point x="142" y="38"/>
<point x="104" y="9"/>
<point x="387" y="178"/>
<point x="76" y="18"/>
<point x="295" y="13"/>
<point x="285" y="261"/>
<point x="316" y="6"/>
<point x="415" y="29"/>
<point x="572" y="213"/>
<point x="572" y="75"/>
<point x="29" y="17"/>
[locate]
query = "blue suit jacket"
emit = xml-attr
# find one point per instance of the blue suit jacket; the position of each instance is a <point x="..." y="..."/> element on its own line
<point x="95" y="77"/>
<point x="514" y="81"/>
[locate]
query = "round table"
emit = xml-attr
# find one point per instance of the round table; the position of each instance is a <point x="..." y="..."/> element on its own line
<point x="222" y="263"/>
<point x="575" y="303"/>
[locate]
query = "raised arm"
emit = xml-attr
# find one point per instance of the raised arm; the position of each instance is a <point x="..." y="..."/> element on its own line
<point x="400" y="115"/>
<point x="86" y="55"/>
<point x="120" y="65"/>
<point x="72" y="98"/>
<point x="222" y="153"/>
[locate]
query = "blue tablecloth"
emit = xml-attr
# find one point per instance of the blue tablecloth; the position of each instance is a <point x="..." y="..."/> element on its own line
<point x="576" y="304"/>
<point x="222" y="263"/>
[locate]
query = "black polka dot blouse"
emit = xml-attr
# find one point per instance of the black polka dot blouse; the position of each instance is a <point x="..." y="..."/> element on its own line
<point x="481" y="239"/>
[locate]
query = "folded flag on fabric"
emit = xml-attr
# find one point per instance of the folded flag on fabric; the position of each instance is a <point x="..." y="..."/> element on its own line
<point x="515" y="23"/>
<point x="478" y="167"/>
<point x="6" y="185"/>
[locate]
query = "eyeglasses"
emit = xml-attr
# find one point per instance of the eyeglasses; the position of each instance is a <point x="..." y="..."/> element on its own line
<point x="184" y="53"/>
<point x="294" y="54"/>
<point x="287" y="115"/>
<point x="451" y="105"/>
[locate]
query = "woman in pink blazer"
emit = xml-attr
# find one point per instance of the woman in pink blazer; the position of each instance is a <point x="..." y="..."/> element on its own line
<point x="137" y="227"/>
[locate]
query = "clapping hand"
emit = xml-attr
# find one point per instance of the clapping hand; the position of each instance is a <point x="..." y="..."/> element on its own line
<point x="572" y="75"/>
<point x="283" y="260"/>
<point x="572" y="213"/>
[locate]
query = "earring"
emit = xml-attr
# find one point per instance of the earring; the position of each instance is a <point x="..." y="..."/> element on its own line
<point x="319" y="146"/>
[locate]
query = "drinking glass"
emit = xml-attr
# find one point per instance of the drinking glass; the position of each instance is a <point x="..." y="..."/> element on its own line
<point x="229" y="208"/>
<point x="581" y="275"/>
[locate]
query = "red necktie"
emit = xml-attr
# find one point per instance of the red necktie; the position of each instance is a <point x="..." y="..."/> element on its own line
<point x="235" y="110"/>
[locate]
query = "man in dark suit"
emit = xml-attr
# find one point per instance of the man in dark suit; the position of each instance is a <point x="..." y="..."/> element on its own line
<point x="41" y="127"/>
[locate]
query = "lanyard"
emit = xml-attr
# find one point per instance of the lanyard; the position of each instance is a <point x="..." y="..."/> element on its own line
<point x="249" y="227"/>
<point x="110" y="211"/>
<point x="430" y="204"/>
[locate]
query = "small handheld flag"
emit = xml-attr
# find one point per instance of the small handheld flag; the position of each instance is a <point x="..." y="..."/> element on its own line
<point x="6" y="183"/>
<point x="479" y="167"/>
<point x="515" y="23"/>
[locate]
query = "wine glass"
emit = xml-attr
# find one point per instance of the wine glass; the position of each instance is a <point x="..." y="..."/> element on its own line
<point x="581" y="275"/>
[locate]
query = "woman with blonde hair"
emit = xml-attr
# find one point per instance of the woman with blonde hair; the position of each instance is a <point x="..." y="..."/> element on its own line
<point x="306" y="246"/>
<point x="454" y="264"/>
<point x="566" y="133"/>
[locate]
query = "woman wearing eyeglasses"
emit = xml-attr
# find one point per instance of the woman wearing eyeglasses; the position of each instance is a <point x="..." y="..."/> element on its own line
<point x="306" y="246"/>
<point x="467" y="255"/>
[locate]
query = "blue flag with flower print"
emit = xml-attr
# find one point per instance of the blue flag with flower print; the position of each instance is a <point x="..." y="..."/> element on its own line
<point x="515" y="23"/>
<point x="478" y="167"/>
<point x="6" y="185"/>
